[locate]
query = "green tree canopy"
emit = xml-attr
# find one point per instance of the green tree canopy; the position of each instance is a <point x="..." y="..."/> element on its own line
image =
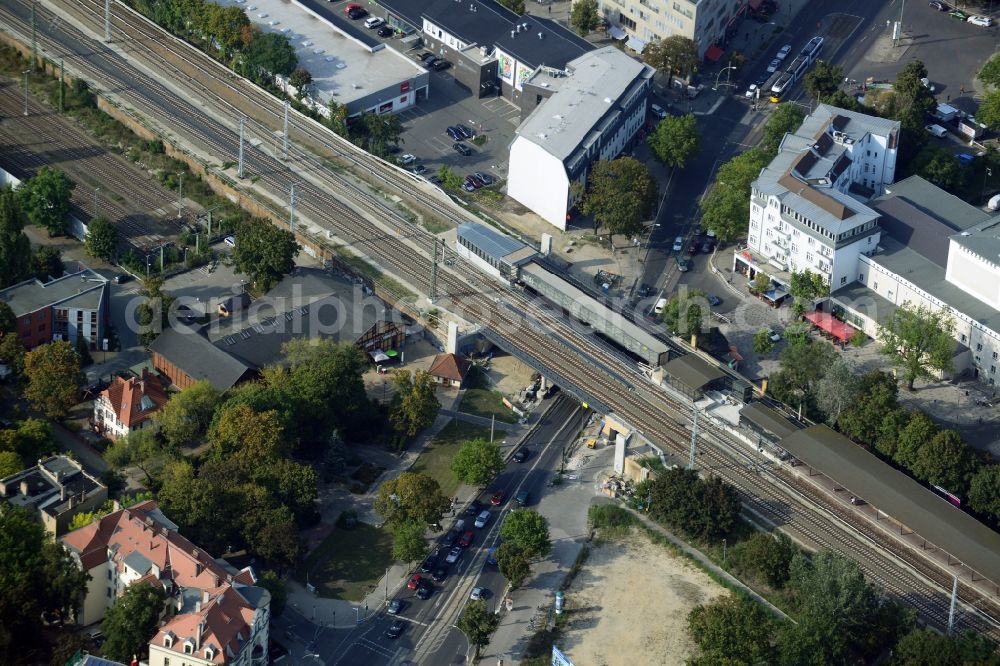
<point x="984" y="490"/>
<point x="102" y="238"/>
<point x="675" y="140"/>
<point x="375" y="133"/>
<point x="408" y="542"/>
<point x="411" y="496"/>
<point x="684" y="314"/>
<point x="803" y="365"/>
<point x="823" y="80"/>
<point x="8" y="320"/>
<point x="925" y="647"/>
<point x="945" y="460"/>
<point x="990" y="73"/>
<point x="10" y="463"/>
<point x="941" y="168"/>
<point x="477" y="462"/>
<point x="988" y="112"/>
<point x="528" y="530"/>
<point x="725" y="209"/>
<point x="252" y="438"/>
<point x="45" y="199"/>
<point x="185" y="418"/>
<point x="130" y="622"/>
<point x="732" y="630"/>
<point x="226" y="25"/>
<point x="143" y="449"/>
<point x="31" y="439"/>
<point x="676" y="55"/>
<point x="15" y="249"/>
<point x="707" y="509"/>
<point x="837" y="390"/>
<point x="54" y="378"/>
<point x="806" y="286"/>
<point x="786" y="118"/>
<point x="877" y="396"/>
<point x="269" y="54"/>
<point x="765" y="557"/>
<point x="918" y="340"/>
<point x="762" y="342"/>
<point x="477" y="623"/>
<point x="621" y="195"/>
<point x="585" y="16"/>
<point x="516" y="6"/>
<point x="264" y="252"/>
<point x="272" y="582"/>
<point x="513" y="564"/>
<point x="415" y="404"/>
<point x="47" y="263"/>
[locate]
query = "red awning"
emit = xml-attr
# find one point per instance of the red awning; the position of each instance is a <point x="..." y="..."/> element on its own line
<point x="834" y="327"/>
<point x="714" y="53"/>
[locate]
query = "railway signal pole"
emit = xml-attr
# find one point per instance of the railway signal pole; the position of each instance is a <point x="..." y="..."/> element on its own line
<point x="26" y="72"/>
<point x="286" y="129"/>
<point x="694" y="438"/>
<point x="62" y="84"/>
<point x="34" y="39"/>
<point x="107" y="21"/>
<point x="239" y="173"/>
<point x="951" y="607"/>
<point x="432" y="295"/>
<point x="291" y="209"/>
<point x="180" y="194"/>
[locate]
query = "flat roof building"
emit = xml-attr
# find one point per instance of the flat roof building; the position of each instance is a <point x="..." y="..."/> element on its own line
<point x="590" y="110"/>
<point x="490" y="251"/>
<point x="56" y="489"/>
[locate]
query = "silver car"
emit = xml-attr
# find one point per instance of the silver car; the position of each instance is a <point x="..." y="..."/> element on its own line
<point x="482" y="518"/>
<point x="773" y="67"/>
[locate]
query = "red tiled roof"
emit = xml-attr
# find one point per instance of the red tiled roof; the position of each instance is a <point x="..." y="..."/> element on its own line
<point x="449" y="366"/>
<point x="125" y="397"/>
<point x="224" y="623"/>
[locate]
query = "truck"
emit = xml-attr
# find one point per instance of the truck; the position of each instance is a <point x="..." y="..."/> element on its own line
<point x="945" y="112"/>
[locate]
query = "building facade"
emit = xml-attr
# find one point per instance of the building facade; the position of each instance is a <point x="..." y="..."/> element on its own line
<point x="807" y="209"/>
<point x="128" y="405"/>
<point x="68" y="308"/>
<point x="56" y="489"/>
<point x="589" y="111"/>
<point x="640" y="22"/>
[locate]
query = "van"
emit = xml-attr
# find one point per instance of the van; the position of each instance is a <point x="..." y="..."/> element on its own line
<point x="522" y="497"/>
<point x="657" y="111"/>
<point x="459" y="525"/>
<point x="994" y="203"/>
<point x="660" y="305"/>
<point x="937" y="130"/>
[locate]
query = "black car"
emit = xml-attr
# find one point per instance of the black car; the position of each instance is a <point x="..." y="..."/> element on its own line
<point x="474" y="507"/>
<point x="449" y="539"/>
<point x="424" y="591"/>
<point x="454" y="133"/>
<point x="644" y="291"/>
<point x="521" y="455"/>
<point x="707" y="246"/>
<point x="395" y="629"/>
<point x="394" y="607"/>
<point x="429" y="63"/>
<point x="385" y="31"/>
<point x="425" y="56"/>
<point x="693" y="247"/>
<point x="357" y="13"/>
<point x="940" y="6"/>
<point x="462" y="149"/>
<point x="440" y="574"/>
<point x="429" y="564"/>
<point x="466" y="132"/>
<point x="441" y="65"/>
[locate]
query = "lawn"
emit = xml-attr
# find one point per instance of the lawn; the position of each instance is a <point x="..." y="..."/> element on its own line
<point x="486" y="403"/>
<point x="349" y="562"/>
<point x="436" y="457"/>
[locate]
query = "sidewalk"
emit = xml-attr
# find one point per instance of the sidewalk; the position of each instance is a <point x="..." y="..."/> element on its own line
<point x="339" y="613"/>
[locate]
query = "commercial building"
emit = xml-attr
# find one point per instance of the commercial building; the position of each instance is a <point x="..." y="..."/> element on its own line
<point x="128" y="405"/>
<point x="639" y="22"/>
<point x="490" y="251"/>
<point x="213" y="614"/>
<point x="68" y="308"/>
<point x="56" y="489"/>
<point x="186" y="357"/>
<point x="807" y="209"/>
<point x="491" y="47"/>
<point x="590" y="110"/>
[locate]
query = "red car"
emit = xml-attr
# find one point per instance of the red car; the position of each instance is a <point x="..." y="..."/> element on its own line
<point x="497" y="498"/>
<point x="465" y="541"/>
<point x="414" y="582"/>
<point x="352" y="6"/>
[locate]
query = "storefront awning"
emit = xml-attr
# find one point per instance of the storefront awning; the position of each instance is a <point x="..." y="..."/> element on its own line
<point x="713" y="53"/>
<point x="617" y="33"/>
<point x="834" y="327"/>
<point x="378" y="356"/>
<point x="636" y="44"/>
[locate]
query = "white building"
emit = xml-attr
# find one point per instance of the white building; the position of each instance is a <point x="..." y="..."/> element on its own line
<point x="490" y="251"/>
<point x="589" y="111"/>
<point x="806" y="207"/>
<point x="128" y="405"/>
<point x="643" y="21"/>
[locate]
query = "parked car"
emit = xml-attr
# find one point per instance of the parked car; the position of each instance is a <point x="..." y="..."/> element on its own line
<point x="357" y="13"/>
<point x="468" y="187"/>
<point x="773" y="66"/>
<point x="714" y="300"/>
<point x="374" y="22"/>
<point x="707" y="246"/>
<point x="783" y="52"/>
<point x="693" y="247"/>
<point x="394" y="607"/>
<point x="774" y="335"/>
<point x="454" y="133"/>
<point x="414" y="582"/>
<point x="419" y="170"/>
<point x="482" y="518"/>
<point x="429" y="564"/>
<point x="440" y="574"/>
<point x="964" y="158"/>
<point x="441" y="64"/>
<point x="958" y="14"/>
<point x="678" y="243"/>
<point x="984" y="21"/>
<point x="476" y="594"/>
<point x="462" y="149"/>
<point x="472" y="181"/>
<point x="521" y="455"/>
<point x="485" y="177"/>
<point x="657" y="111"/>
<point x="466" y="539"/>
<point x="497" y="498"/>
<point x="940" y="6"/>
<point x="407" y="158"/>
<point x="467" y="133"/>
<point x="474" y="507"/>
<point x="453" y="555"/>
<point x="449" y="539"/>
<point x="660" y="305"/>
<point x="522" y="497"/>
<point x="425" y="56"/>
<point x="395" y="630"/>
<point x="351" y="6"/>
<point x="230" y="241"/>
<point x="386" y="31"/>
<point x="751" y="92"/>
<point x="429" y="63"/>
<point x="683" y="264"/>
<point x="425" y="591"/>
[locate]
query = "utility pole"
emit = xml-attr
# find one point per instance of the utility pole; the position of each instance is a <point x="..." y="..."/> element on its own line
<point x="493" y="423"/>
<point x="694" y="438"/>
<point x="239" y="172"/>
<point x="62" y="85"/>
<point x="96" y="210"/>
<point x="291" y="209"/>
<point x="107" y="22"/>
<point x="26" y="72"/>
<point x="161" y="258"/>
<point x="951" y="607"/>
<point x="180" y="194"/>
<point x="286" y="129"/>
<point x="434" y="269"/>
<point x="34" y="39"/>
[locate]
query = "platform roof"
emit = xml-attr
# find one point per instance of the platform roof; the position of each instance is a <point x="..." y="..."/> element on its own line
<point x="693" y="371"/>
<point x="764" y="417"/>
<point x="932" y="517"/>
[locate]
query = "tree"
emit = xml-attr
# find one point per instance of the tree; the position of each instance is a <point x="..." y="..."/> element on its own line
<point x="130" y="622"/>
<point x="54" y="378"/>
<point x="876" y="393"/>
<point x="585" y="17"/>
<point x="337" y="118"/>
<point x="47" y="263"/>
<point x="823" y="80"/>
<point x="941" y="168"/>
<point x="10" y="463"/>
<point x="414" y="405"/>
<point x="675" y="55"/>
<point x="478" y="624"/>
<point x="732" y="630"/>
<point x="684" y="313"/>
<point x="449" y="178"/>
<point x="803" y="365"/>
<point x="990" y="73"/>
<point x="945" y="460"/>
<point x="270" y="581"/>
<point x="761" y="283"/>
<point x="300" y="79"/>
<point x="513" y="564"/>
<point x="766" y="557"/>
<point x="516" y="6"/>
<point x="621" y="195"/>
<point x="45" y="199"/>
<point x="786" y="118"/>
<point x="15" y="248"/>
<point x="251" y="438"/>
<point x="11" y="352"/>
<point x="807" y="286"/>
<point x="375" y="132"/>
<point x="264" y="252"/>
<point x="529" y="531"/>
<point x="925" y="647"/>
<point x="984" y="490"/>
<point x="762" y="342"/>
<point x="187" y="415"/>
<point x="31" y="439"/>
<point x="82" y="349"/>
<point x="706" y="509"/>
<point x="988" y="112"/>
<point x="725" y="210"/>
<point x="8" y="320"/>
<point x="142" y="449"/>
<point x="226" y="25"/>
<point x="102" y="238"/>
<point x="477" y="462"/>
<point x="836" y="390"/>
<point x="411" y="496"/>
<point x="918" y="340"/>
<point x="675" y="140"/>
<point x="269" y="54"/>
<point x="408" y="542"/>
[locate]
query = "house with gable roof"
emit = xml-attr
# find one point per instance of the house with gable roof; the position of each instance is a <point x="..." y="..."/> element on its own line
<point x="128" y="404"/>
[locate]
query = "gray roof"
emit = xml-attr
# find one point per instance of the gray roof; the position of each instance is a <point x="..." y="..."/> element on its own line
<point x="198" y="358"/>
<point x="854" y="124"/>
<point x="982" y="240"/>
<point x="258" y="597"/>
<point x="82" y="290"/>
<point x="693" y="371"/>
<point x="591" y="92"/>
<point x="768" y="420"/>
<point x="491" y="241"/>
<point x="45" y="483"/>
<point x="896" y="494"/>
<point x="932" y="200"/>
<point x="914" y="228"/>
<point x="138" y="562"/>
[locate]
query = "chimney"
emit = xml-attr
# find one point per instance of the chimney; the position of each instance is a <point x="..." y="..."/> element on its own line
<point x="512" y="34"/>
<point x="201" y="631"/>
<point x="541" y="35"/>
<point x="452" y="344"/>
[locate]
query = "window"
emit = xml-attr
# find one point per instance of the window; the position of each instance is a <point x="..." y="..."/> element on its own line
<point x="994" y="356"/>
<point x="979" y="347"/>
<point x="963" y="337"/>
<point x="993" y="369"/>
<point x="869" y="153"/>
<point x="875" y="286"/>
<point x="843" y="280"/>
<point x="109" y="593"/>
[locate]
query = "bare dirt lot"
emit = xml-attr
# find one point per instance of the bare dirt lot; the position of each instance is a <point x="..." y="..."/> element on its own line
<point x="621" y="614"/>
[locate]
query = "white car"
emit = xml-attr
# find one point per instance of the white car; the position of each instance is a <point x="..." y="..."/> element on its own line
<point x="657" y="111"/>
<point x="984" y="21"/>
<point x="751" y="91"/>
<point x="374" y="22"/>
<point x="482" y="518"/>
<point x="660" y="305"/>
<point x="230" y="241"/>
<point x="773" y="334"/>
<point x="407" y="159"/>
<point x="773" y="66"/>
<point x="477" y="594"/>
<point x="678" y="243"/>
<point x="453" y="555"/>
<point x="783" y="53"/>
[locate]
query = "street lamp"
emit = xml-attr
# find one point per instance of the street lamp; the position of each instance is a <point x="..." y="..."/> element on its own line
<point x="26" y="72"/>
<point x="180" y="194"/>
<point x="725" y="69"/>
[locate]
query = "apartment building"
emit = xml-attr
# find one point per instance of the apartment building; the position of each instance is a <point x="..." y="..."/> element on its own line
<point x="640" y="22"/>
<point x="73" y="306"/>
<point x="591" y="110"/>
<point x="807" y="207"/>
<point x="56" y="489"/>
<point x="214" y="614"/>
<point x="128" y="405"/>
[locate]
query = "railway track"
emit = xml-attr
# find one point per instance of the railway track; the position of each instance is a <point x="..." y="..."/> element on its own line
<point x="812" y="517"/>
